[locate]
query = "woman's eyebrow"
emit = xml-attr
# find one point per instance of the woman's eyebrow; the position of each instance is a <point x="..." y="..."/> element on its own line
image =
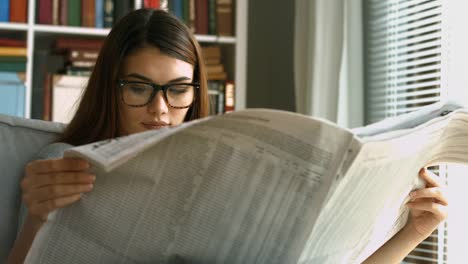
<point x="142" y="77"/>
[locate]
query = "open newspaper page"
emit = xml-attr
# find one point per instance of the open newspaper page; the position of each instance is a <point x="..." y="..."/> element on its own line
<point x="368" y="206"/>
<point x="245" y="187"/>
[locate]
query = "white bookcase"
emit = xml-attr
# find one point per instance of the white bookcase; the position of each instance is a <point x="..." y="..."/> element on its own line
<point x="234" y="48"/>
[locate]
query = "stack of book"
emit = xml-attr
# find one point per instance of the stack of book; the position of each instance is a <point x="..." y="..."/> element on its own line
<point x="13" y="11"/>
<point x="13" y="55"/>
<point x="205" y="17"/>
<point x="61" y="76"/>
<point x="12" y="67"/>
<point x="220" y="90"/>
<point x="83" y="13"/>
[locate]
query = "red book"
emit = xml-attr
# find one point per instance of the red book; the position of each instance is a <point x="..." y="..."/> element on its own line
<point x="18" y="11"/>
<point x="73" y="43"/>
<point x="45" y="12"/>
<point x="4" y="42"/>
<point x="201" y="17"/>
<point x="88" y="13"/>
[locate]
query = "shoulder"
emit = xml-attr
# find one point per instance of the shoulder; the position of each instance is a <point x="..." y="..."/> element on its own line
<point x="53" y="151"/>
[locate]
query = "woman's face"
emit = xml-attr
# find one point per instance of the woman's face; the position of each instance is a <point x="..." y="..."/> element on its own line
<point x="151" y="66"/>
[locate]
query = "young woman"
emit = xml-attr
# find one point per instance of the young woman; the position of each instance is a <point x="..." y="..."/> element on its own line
<point x="150" y="74"/>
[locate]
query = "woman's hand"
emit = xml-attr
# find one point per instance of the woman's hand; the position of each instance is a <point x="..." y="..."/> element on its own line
<point x="428" y="206"/>
<point x="52" y="184"/>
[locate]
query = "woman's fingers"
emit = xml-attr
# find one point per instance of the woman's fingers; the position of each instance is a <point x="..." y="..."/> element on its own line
<point x="57" y="178"/>
<point x="431" y="179"/>
<point x="56" y="165"/>
<point x="45" y="207"/>
<point x="438" y="210"/>
<point x="51" y="192"/>
<point x="433" y="192"/>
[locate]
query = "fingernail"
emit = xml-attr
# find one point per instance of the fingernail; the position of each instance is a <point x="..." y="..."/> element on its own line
<point x="90" y="186"/>
<point x="93" y="177"/>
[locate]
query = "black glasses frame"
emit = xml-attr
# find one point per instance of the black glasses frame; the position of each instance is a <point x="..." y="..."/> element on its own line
<point x="156" y="89"/>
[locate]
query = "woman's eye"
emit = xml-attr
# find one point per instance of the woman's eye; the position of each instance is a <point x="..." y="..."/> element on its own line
<point x="179" y="89"/>
<point x="138" y="89"/>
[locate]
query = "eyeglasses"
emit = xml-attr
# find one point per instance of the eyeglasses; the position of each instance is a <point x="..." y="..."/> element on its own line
<point x="176" y="95"/>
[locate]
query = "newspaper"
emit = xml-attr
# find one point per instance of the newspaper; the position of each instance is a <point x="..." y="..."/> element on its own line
<point x="253" y="186"/>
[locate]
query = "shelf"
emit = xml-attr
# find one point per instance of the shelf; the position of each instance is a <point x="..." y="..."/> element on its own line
<point x="49" y="29"/>
<point x="13" y="26"/>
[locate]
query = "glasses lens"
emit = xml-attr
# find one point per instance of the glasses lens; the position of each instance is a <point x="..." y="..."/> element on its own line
<point x="180" y="95"/>
<point x="136" y="93"/>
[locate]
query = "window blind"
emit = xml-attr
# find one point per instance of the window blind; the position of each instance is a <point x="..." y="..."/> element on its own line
<point x="403" y="56"/>
<point x="402" y="47"/>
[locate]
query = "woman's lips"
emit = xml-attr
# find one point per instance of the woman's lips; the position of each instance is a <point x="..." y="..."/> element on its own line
<point x="155" y="125"/>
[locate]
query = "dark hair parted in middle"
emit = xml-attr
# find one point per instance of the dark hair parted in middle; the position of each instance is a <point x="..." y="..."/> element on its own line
<point x="97" y="117"/>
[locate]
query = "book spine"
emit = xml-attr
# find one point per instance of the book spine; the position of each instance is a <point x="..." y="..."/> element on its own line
<point x="45" y="12"/>
<point x="177" y="9"/>
<point x="4" y="10"/>
<point x="212" y="17"/>
<point x="224" y="17"/>
<point x="229" y="104"/>
<point x="88" y="13"/>
<point x="13" y="66"/>
<point x="63" y="16"/>
<point x="108" y="13"/>
<point x="55" y="12"/>
<point x="99" y="13"/>
<point x="74" y="13"/>
<point x="14" y="51"/>
<point x="201" y="16"/>
<point x="18" y="9"/>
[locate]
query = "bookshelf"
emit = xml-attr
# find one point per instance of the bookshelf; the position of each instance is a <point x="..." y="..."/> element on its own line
<point x="234" y="49"/>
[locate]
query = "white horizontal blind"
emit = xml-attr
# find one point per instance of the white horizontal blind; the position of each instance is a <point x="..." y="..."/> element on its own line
<point x="403" y="49"/>
<point x="403" y="41"/>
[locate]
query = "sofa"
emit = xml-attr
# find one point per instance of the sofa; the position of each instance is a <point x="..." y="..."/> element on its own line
<point x="20" y="140"/>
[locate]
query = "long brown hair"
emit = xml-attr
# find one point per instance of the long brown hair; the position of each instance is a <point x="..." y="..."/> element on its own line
<point x="97" y="116"/>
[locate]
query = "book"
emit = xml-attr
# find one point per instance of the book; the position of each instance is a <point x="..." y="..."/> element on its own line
<point x="63" y="43"/>
<point x="45" y="12"/>
<point x="224" y="17"/>
<point x="8" y="42"/>
<point x="230" y="97"/>
<point x="63" y="12"/>
<point x="108" y="13"/>
<point x="252" y="186"/>
<point x="201" y="17"/>
<point x="55" y="12"/>
<point x="88" y="13"/>
<point x="66" y="94"/>
<point x="177" y="9"/>
<point x="12" y="66"/>
<point x="18" y="11"/>
<point x="99" y="16"/>
<point x="212" y="17"/>
<point x="211" y="52"/>
<point x="4" y="10"/>
<point x="83" y="54"/>
<point x="74" y="13"/>
<point x="13" y="51"/>
<point x="12" y="93"/>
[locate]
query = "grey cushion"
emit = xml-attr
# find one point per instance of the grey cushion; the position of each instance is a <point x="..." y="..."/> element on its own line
<point x="20" y="140"/>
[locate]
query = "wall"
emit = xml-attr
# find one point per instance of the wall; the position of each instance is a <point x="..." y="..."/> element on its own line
<point x="270" y="42"/>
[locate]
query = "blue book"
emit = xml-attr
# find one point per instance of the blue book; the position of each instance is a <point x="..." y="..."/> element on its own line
<point x="178" y="10"/>
<point x="4" y="10"/>
<point x="99" y="9"/>
<point x="12" y="94"/>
